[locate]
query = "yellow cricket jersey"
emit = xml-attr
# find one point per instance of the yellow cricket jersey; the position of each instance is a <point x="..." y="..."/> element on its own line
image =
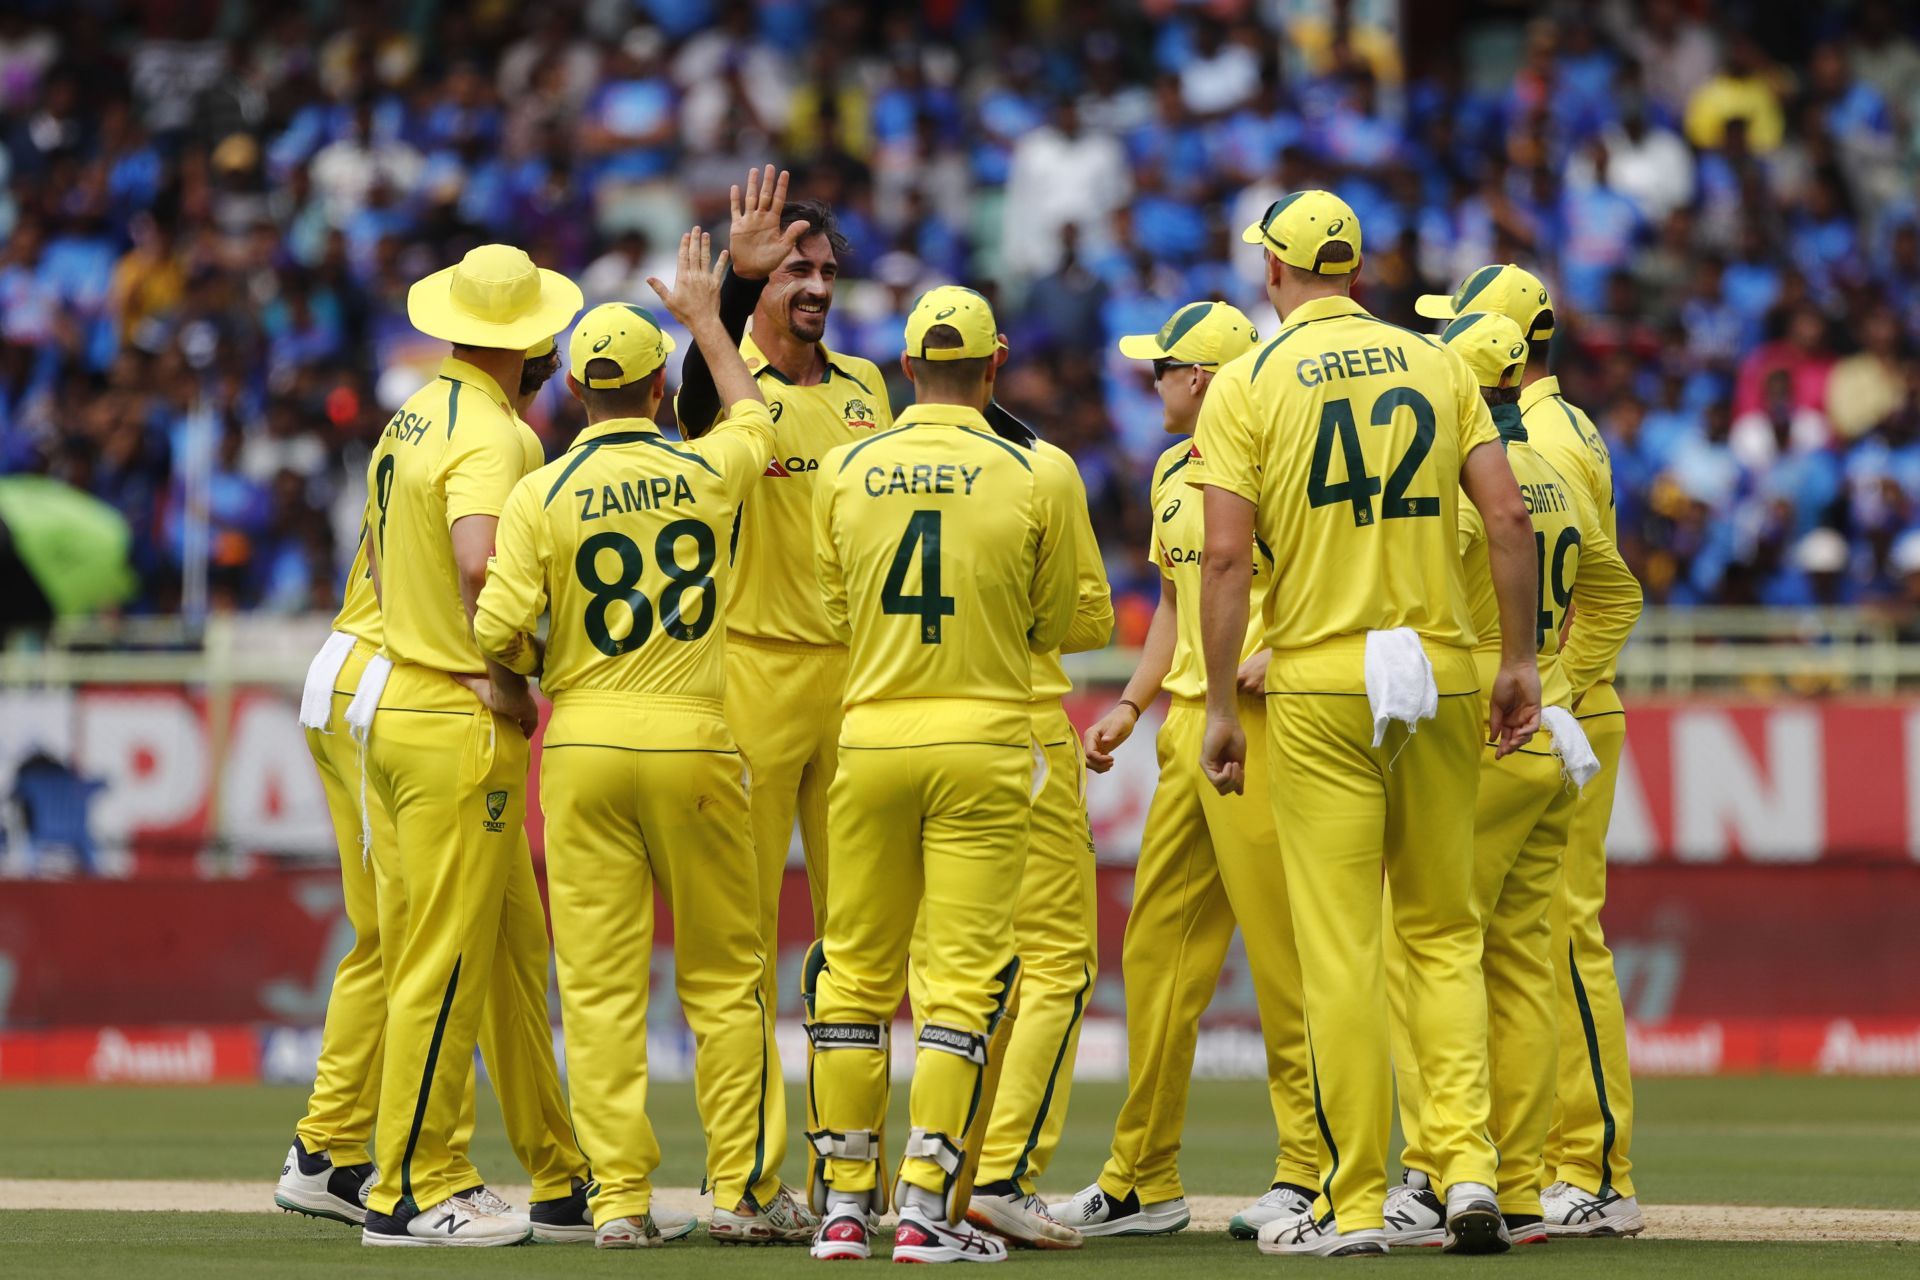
<point x="945" y="557"/>
<point x="359" y="614"/>
<point x="1347" y="434"/>
<point x="455" y="449"/>
<point x="1092" y="624"/>
<point x="774" y="596"/>
<point x="624" y="541"/>
<point x="1579" y="565"/>
<point x="1179" y="540"/>
<point x="1566" y="437"/>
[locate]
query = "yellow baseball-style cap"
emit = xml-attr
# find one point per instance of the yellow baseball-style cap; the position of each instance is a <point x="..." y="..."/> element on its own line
<point x="1296" y="228"/>
<point x="1204" y="333"/>
<point x="1491" y="344"/>
<point x="494" y="297"/>
<point x="1514" y="292"/>
<point x="623" y="333"/>
<point x="966" y="311"/>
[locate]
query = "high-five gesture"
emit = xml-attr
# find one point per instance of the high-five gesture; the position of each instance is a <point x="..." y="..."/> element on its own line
<point x="694" y="300"/>
<point x="758" y="244"/>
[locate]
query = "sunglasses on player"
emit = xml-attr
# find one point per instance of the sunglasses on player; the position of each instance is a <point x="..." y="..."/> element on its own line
<point x="1161" y="368"/>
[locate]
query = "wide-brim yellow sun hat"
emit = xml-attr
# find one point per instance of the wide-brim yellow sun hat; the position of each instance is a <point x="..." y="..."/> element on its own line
<point x="494" y="297"/>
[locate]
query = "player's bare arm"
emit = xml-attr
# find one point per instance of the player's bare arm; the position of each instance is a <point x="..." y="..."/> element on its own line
<point x="694" y="300"/>
<point x="1106" y="734"/>
<point x="508" y="693"/>
<point x="1514" y="708"/>
<point x="1226" y="584"/>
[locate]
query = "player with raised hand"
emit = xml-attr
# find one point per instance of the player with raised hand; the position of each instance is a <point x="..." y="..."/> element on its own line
<point x="1344" y="443"/>
<point x="945" y="557"/>
<point x="1525" y="805"/>
<point x="1206" y="859"/>
<point x="1589" y="1152"/>
<point x="621" y="543"/>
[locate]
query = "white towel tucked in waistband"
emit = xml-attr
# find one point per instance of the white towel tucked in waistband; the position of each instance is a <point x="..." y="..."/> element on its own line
<point x="1399" y="680"/>
<point x="316" y="696"/>
<point x="1577" y="759"/>
<point x="366" y="698"/>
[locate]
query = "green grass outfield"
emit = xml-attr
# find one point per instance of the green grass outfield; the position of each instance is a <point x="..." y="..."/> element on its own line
<point x="1832" y="1142"/>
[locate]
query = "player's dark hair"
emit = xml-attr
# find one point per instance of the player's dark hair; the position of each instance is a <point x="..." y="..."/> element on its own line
<point x="1332" y="253"/>
<point x="948" y="377"/>
<point x="1500" y="395"/>
<point x="535" y="372"/>
<point x="819" y="216"/>
<point x="630" y="401"/>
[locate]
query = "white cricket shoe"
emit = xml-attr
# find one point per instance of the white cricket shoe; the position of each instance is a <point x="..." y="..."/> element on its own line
<point x="843" y="1237"/>
<point x="640" y="1232"/>
<point x="918" y="1237"/>
<point x="1416" y="1217"/>
<point x="1569" y="1211"/>
<point x="1021" y="1219"/>
<point x="1282" y="1200"/>
<point x="1474" y="1224"/>
<point x="782" y="1220"/>
<point x="1093" y="1212"/>
<point x="1317" y="1237"/>
<point x="459" y="1221"/>
<point x="313" y="1186"/>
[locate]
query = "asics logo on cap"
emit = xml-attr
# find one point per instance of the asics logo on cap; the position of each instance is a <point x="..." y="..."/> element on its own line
<point x="944" y="312"/>
<point x="1516" y="351"/>
<point x="601" y="345"/>
<point x="1333" y="228"/>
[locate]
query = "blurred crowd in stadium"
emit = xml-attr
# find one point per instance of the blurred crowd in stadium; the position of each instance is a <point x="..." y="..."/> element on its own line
<point x="211" y="210"/>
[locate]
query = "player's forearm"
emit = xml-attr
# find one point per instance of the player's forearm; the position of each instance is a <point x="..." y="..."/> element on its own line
<point x="1156" y="651"/>
<point x="500" y="642"/>
<point x="1226" y="582"/>
<point x="1606" y="604"/>
<point x="1515" y="568"/>
<point x="731" y="381"/>
<point x="700" y="402"/>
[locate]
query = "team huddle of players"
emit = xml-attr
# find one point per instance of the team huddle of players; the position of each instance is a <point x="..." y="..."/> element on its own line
<point x="1384" y="567"/>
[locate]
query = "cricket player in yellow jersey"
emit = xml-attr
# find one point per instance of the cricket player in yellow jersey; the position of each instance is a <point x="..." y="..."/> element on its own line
<point x="328" y="1169"/>
<point x="1525" y="804"/>
<point x="1055" y="918"/>
<point x="1344" y="442"/>
<point x="945" y="558"/>
<point x="1589" y="1150"/>
<point x="785" y="667"/>
<point x="446" y="755"/>
<point x="620" y="541"/>
<point x="1206" y="859"/>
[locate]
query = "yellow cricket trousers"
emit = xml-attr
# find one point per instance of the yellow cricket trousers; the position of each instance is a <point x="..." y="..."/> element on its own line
<point x="1592" y="1136"/>
<point x="1206" y="860"/>
<point x="1053" y="933"/>
<point x="944" y="824"/>
<point x="618" y="822"/>
<point x="783" y="705"/>
<point x="453" y="777"/>
<point x="1520" y="829"/>
<point x="1343" y="809"/>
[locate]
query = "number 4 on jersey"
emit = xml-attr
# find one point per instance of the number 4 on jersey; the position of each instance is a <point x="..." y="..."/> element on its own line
<point x="923" y="531"/>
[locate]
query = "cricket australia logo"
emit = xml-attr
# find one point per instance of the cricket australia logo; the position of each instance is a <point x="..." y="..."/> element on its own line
<point x="496" y="805"/>
<point x="858" y="413"/>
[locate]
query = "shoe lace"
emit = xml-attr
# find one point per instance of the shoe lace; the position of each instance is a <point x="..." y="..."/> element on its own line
<point x="483" y="1199"/>
<point x="1280" y="1198"/>
<point x="1034" y="1205"/>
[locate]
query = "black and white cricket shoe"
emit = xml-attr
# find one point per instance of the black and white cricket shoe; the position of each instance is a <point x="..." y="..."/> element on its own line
<point x="314" y="1186"/>
<point x="1474" y="1222"/>
<point x="919" y="1237"/>
<point x="1416" y="1217"/>
<point x="459" y="1221"/>
<point x="1309" y="1236"/>
<point x="1092" y="1212"/>
<point x="1569" y="1211"/>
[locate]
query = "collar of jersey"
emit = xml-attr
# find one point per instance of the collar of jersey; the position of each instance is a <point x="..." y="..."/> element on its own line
<point x="615" y="426"/>
<point x="1534" y="392"/>
<point x="1334" y="304"/>
<point x="942" y="415"/>
<point x="750" y="352"/>
<point x="459" y="370"/>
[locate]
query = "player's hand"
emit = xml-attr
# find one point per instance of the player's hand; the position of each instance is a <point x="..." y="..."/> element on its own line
<point x="759" y="245"/>
<point x="1223" y="756"/>
<point x="516" y="704"/>
<point x="1514" y="715"/>
<point x="1106" y="734"/>
<point x="694" y="299"/>
<point x="1252" y="677"/>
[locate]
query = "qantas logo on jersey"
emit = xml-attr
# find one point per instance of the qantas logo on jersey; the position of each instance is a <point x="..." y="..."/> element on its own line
<point x="790" y="466"/>
<point x="858" y="414"/>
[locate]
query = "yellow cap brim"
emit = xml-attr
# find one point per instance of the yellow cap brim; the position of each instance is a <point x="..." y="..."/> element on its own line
<point x="1255" y="234"/>
<point x="1434" y="306"/>
<point x="1141" y="346"/>
<point x="430" y="309"/>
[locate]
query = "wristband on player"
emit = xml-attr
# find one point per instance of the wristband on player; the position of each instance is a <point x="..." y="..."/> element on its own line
<point x="1131" y="705"/>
